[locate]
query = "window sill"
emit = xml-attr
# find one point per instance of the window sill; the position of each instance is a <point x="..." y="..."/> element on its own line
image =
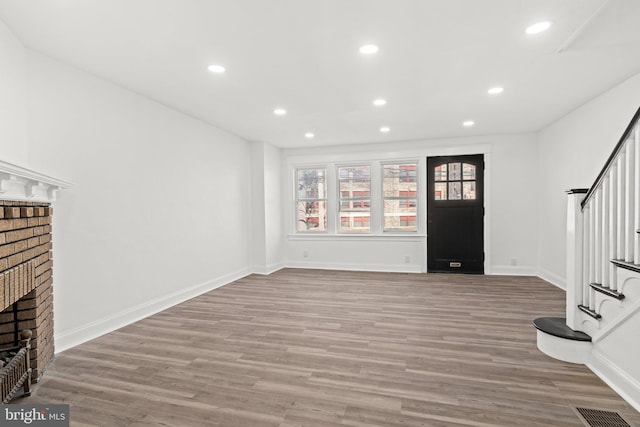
<point x="386" y="237"/>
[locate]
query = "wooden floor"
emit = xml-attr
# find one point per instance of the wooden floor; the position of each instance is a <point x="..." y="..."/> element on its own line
<point x="326" y="348"/>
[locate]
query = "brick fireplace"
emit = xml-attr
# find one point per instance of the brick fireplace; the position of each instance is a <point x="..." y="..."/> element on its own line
<point x="26" y="278"/>
<point x="26" y="260"/>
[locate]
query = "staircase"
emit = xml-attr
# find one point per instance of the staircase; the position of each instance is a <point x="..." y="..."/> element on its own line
<point x="602" y="324"/>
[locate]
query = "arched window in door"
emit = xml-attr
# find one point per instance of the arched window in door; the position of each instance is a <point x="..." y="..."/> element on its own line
<point x="455" y="181"/>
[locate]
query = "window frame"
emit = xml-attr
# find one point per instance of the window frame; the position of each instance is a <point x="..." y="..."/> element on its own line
<point x="418" y="173"/>
<point x="339" y="200"/>
<point x="297" y="199"/>
<point x="376" y="212"/>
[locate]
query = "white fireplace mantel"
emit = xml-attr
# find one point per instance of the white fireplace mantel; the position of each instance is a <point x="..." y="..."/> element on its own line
<point x="22" y="184"/>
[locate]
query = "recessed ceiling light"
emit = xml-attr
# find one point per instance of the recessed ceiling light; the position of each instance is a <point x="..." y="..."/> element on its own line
<point x="368" y="49"/>
<point x="468" y="123"/>
<point x="279" y="111"/>
<point x="495" y="90"/>
<point x="538" y="27"/>
<point x="309" y="135"/>
<point x="379" y="102"/>
<point x="218" y="69"/>
<point x="385" y="129"/>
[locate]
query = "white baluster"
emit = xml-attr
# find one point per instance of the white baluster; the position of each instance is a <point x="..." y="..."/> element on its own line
<point x="592" y="242"/>
<point x="597" y="236"/>
<point x="604" y="254"/>
<point x="636" y="197"/>
<point x="592" y="299"/>
<point x="586" y="254"/>
<point x="622" y="208"/>
<point x="613" y="224"/>
<point x="630" y="203"/>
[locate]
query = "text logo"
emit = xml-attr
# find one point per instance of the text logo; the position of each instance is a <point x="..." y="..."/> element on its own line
<point x="34" y="415"/>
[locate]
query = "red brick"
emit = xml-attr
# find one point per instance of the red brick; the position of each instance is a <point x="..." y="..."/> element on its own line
<point x="20" y="245"/>
<point x="26" y="304"/>
<point x="43" y="258"/>
<point x="6" y="224"/>
<point x="20" y="223"/>
<point x="43" y="267"/>
<point x="11" y="212"/>
<point x="26" y="212"/>
<point x="10" y="281"/>
<point x="13" y="236"/>
<point x="14" y="260"/>
<point x="6" y="250"/>
<point x="33" y="242"/>
<point x="2" y="306"/>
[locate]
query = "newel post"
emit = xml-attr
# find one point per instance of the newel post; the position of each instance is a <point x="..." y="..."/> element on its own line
<point x="575" y="232"/>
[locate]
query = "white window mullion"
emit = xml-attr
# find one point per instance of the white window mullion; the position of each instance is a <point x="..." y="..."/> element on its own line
<point x="422" y="196"/>
<point x="377" y="208"/>
<point x="332" y="197"/>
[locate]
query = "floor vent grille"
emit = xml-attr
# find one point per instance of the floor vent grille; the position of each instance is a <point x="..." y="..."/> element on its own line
<point x="600" y="418"/>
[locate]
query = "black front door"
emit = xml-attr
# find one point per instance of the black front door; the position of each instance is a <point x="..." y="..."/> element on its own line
<point x="455" y="214"/>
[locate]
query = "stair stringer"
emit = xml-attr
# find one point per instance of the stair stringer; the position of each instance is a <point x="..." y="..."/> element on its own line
<point x="615" y="312"/>
<point x="615" y="348"/>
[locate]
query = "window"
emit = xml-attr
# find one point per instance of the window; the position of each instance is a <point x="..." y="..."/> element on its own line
<point x="364" y="198"/>
<point x="455" y="181"/>
<point x="355" y="198"/>
<point x="399" y="189"/>
<point x="311" y="200"/>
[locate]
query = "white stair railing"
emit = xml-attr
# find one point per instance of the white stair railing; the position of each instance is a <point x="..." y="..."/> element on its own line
<point x="602" y="225"/>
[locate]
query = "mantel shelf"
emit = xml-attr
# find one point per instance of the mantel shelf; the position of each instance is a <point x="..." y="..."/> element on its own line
<point x="22" y="184"/>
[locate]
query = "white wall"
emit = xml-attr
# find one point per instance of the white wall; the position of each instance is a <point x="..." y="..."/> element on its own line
<point x="510" y="222"/>
<point x="266" y="208"/>
<point x="258" y="223"/>
<point x="274" y="231"/>
<point x="159" y="209"/>
<point x="13" y="99"/>
<point x="572" y="151"/>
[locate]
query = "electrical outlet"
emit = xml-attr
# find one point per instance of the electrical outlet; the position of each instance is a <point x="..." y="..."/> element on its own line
<point x="407" y="259"/>
<point x="305" y="254"/>
<point x="514" y="261"/>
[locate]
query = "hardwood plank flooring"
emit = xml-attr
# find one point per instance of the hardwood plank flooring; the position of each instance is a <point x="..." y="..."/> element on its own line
<point x="333" y="348"/>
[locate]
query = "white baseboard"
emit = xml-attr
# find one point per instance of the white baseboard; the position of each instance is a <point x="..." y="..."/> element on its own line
<point x="389" y="268"/>
<point x="552" y="278"/>
<point x="76" y="336"/>
<point x="513" y="270"/>
<point x="265" y="270"/>
<point x="616" y="378"/>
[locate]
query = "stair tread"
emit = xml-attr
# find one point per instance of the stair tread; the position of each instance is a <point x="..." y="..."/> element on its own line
<point x="607" y="291"/>
<point x="626" y="265"/>
<point x="590" y="312"/>
<point x="557" y="326"/>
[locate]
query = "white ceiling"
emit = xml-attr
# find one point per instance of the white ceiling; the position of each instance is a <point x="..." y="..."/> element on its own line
<point x="436" y="60"/>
